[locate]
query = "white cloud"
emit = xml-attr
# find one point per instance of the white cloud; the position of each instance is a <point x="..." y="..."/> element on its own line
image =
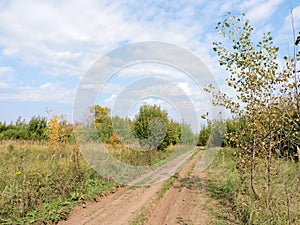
<point x="9" y="52"/>
<point x="260" y="10"/>
<point x="64" y="38"/>
<point x="287" y="25"/>
<point x="46" y="85"/>
<point x="185" y="87"/>
<point x="146" y="69"/>
<point x="6" y="69"/>
<point x="285" y="37"/>
<point x="47" y="92"/>
<point x="56" y="36"/>
<point x="4" y="85"/>
<point x="250" y="4"/>
<point x="110" y="100"/>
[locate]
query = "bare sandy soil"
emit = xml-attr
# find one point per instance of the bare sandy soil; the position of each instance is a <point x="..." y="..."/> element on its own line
<point x="183" y="203"/>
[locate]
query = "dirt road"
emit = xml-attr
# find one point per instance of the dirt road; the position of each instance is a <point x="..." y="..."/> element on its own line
<point x="183" y="203"/>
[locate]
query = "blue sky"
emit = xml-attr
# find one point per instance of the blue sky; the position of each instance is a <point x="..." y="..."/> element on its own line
<point x="46" y="47"/>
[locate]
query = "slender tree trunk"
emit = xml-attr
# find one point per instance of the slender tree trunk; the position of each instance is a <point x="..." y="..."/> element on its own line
<point x="270" y="129"/>
<point x="252" y="177"/>
<point x="269" y="174"/>
<point x="288" y="205"/>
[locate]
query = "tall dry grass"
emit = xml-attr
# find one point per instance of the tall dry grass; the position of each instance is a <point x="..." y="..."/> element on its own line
<point x="40" y="186"/>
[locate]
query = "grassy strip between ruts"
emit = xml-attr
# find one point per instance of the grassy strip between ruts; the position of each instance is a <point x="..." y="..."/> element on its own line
<point x="167" y="184"/>
<point x="140" y="219"/>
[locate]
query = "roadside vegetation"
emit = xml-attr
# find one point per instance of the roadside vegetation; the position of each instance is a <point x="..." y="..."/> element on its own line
<point x="43" y="175"/>
<point x="262" y="176"/>
<point x="235" y="201"/>
<point x="41" y="186"/>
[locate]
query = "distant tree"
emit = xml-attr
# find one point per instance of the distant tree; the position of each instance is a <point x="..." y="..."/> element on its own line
<point x="59" y="131"/>
<point x="17" y="130"/>
<point x="34" y="130"/>
<point x="102" y="122"/>
<point x="204" y="135"/>
<point x="174" y="132"/>
<point x="54" y="131"/>
<point x="37" y="127"/>
<point x="150" y="127"/>
<point x="212" y="134"/>
<point x="122" y="128"/>
<point x="186" y="135"/>
<point x="3" y="127"/>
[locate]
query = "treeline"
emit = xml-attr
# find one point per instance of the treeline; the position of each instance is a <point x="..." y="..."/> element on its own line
<point x="151" y="128"/>
<point x="286" y="140"/>
<point x="35" y="129"/>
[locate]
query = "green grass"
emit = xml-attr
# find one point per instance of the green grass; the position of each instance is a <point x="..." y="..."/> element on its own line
<point x="236" y="203"/>
<point x="39" y="186"/>
<point x="167" y="184"/>
<point x="140" y="219"/>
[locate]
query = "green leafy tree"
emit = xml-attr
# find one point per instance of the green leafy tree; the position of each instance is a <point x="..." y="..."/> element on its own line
<point x="174" y="132"/>
<point x="204" y="135"/>
<point x="186" y="135"/>
<point x="15" y="130"/>
<point x="122" y="128"/>
<point x="102" y="122"/>
<point x="37" y="127"/>
<point x="150" y="127"/>
<point x="212" y="134"/>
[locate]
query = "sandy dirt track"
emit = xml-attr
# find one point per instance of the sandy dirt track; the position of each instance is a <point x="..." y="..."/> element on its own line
<point x="183" y="203"/>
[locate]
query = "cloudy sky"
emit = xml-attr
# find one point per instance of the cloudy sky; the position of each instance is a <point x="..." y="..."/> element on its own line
<point x="48" y="47"/>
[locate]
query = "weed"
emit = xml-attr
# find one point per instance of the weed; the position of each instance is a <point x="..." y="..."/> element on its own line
<point x="37" y="187"/>
<point x="140" y="219"/>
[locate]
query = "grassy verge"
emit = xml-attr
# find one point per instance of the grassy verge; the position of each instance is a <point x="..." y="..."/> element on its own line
<point x="236" y="203"/>
<point x="146" y="158"/>
<point x="39" y="186"/>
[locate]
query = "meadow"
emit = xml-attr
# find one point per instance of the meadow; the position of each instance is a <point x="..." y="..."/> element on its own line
<point x="41" y="186"/>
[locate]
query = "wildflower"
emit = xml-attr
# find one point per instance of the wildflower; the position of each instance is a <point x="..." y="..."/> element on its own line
<point x="18" y="172"/>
